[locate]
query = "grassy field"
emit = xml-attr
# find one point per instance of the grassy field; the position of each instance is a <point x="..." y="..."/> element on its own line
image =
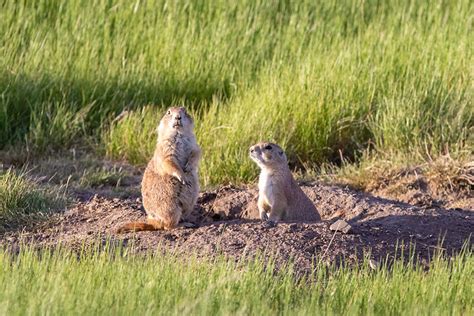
<point x="326" y="79"/>
<point x="102" y="283"/>
<point x="351" y="83"/>
<point x="22" y="200"/>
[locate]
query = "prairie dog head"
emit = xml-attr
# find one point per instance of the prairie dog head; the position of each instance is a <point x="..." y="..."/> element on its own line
<point x="176" y="119"/>
<point x="268" y="156"/>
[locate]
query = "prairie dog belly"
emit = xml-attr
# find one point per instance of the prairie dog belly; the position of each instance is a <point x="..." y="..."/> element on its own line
<point x="182" y="154"/>
<point x="180" y="149"/>
<point x="265" y="186"/>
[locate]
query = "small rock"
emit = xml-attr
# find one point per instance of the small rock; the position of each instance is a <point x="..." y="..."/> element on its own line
<point x="292" y="228"/>
<point x="170" y="237"/>
<point x="309" y="235"/>
<point x="341" y="226"/>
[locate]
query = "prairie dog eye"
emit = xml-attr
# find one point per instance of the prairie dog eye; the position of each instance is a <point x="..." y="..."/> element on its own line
<point x="268" y="147"/>
<point x="169" y="112"/>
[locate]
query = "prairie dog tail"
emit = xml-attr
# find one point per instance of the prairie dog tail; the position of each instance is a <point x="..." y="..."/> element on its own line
<point x="142" y="226"/>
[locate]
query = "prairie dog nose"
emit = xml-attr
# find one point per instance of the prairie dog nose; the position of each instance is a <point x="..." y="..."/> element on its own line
<point x="178" y="117"/>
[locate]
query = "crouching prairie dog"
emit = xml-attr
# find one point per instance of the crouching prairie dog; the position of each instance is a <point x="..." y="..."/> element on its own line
<point x="279" y="196"/>
<point x="170" y="184"/>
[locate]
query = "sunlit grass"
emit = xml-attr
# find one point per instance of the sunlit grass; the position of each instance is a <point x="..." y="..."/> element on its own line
<point x="23" y="200"/>
<point x="326" y="79"/>
<point x="58" y="282"/>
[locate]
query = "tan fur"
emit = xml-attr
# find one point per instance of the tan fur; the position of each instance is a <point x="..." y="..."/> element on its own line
<point x="279" y="197"/>
<point x="170" y="184"/>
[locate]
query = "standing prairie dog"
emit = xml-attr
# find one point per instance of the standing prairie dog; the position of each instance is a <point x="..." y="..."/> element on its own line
<point x="170" y="184"/>
<point x="279" y="196"/>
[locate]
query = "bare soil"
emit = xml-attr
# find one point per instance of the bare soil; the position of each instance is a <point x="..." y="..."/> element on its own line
<point x="226" y="224"/>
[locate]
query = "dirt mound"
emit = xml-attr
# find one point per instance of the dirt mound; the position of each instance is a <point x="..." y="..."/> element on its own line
<point x="227" y="224"/>
<point x="444" y="183"/>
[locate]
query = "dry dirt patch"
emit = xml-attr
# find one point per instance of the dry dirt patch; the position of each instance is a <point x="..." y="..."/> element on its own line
<point x="226" y="224"/>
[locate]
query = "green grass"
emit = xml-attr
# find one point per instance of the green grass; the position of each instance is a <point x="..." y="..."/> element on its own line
<point x="100" y="177"/>
<point x="101" y="283"/>
<point x="323" y="78"/>
<point x="23" y="200"/>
